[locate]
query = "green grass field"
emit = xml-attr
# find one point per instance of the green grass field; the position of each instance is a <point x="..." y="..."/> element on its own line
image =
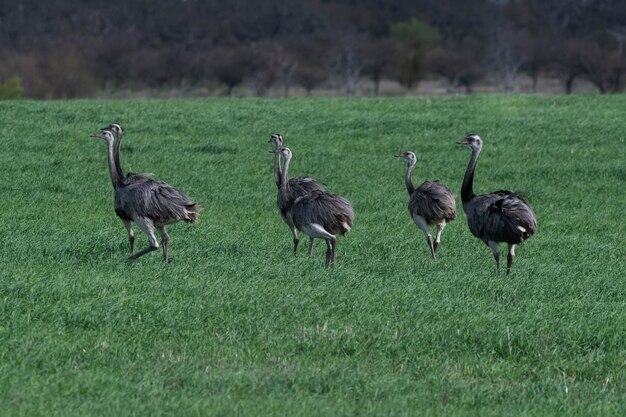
<point x="236" y="325"/>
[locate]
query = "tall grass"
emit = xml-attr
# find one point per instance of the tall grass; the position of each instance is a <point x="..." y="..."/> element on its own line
<point x="236" y="325"/>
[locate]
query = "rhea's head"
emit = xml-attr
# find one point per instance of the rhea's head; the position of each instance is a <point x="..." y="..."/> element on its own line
<point x="409" y="156"/>
<point x="276" y="139"/>
<point x="285" y="152"/>
<point x="473" y="141"/>
<point x="105" y="134"/>
<point x="116" y="128"/>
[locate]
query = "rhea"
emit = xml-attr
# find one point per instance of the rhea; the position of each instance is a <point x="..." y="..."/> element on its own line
<point x="501" y="216"/>
<point x="317" y="214"/>
<point x="298" y="186"/>
<point x="152" y="205"/>
<point x="432" y="203"/>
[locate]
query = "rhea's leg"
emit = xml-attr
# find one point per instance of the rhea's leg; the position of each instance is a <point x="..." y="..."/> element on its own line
<point x="165" y="239"/>
<point x="295" y="241"/>
<point x="294" y="232"/>
<point x="509" y="258"/>
<point x="147" y="227"/>
<point x="314" y="230"/>
<point x="331" y="244"/>
<point x="131" y="235"/>
<point x="440" y="227"/>
<point x="496" y="252"/>
<point x="423" y="226"/>
<point x="311" y="239"/>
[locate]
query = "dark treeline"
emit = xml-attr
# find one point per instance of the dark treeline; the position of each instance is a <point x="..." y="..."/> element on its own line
<point x="70" y="48"/>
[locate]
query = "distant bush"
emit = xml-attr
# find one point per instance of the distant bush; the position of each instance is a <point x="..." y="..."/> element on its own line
<point x="11" y="89"/>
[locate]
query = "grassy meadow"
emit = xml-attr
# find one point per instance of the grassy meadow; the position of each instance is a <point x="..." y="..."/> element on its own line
<point x="236" y="325"/>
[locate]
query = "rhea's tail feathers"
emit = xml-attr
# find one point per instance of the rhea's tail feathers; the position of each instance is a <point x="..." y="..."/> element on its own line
<point x="193" y="211"/>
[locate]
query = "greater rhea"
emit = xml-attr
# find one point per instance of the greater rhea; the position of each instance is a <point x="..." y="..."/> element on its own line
<point x="317" y="214"/>
<point x="432" y="203"/>
<point x="298" y="186"/>
<point x="501" y="216"/>
<point x="150" y="204"/>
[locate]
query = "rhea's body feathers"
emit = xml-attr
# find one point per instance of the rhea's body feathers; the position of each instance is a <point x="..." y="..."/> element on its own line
<point x="334" y="213"/>
<point x="502" y="216"/>
<point x="433" y="201"/>
<point x="298" y="187"/>
<point x="157" y="200"/>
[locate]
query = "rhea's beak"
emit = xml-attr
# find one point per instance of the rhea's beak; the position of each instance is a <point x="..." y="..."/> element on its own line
<point x="462" y="142"/>
<point x="99" y="134"/>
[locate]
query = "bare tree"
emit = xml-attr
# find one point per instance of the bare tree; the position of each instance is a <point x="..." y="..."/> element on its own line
<point x="507" y="52"/>
<point x="459" y="67"/>
<point x="277" y="61"/>
<point x="348" y="60"/>
<point x="603" y="62"/>
<point x="312" y="69"/>
<point x="379" y="58"/>
<point x="229" y="65"/>
<point x="414" y="39"/>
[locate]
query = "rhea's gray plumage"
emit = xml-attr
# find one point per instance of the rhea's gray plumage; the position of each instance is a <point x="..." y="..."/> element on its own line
<point x="328" y="209"/>
<point x="318" y="214"/>
<point x="298" y="186"/>
<point x="430" y="203"/>
<point x="150" y="204"/>
<point x="501" y="216"/>
<point x="158" y="200"/>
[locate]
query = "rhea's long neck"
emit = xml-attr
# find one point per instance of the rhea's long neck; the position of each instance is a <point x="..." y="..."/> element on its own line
<point x="285" y="178"/>
<point x="277" y="172"/>
<point x="409" y="180"/>
<point x="113" y="170"/>
<point x="467" y="190"/>
<point x="116" y="155"/>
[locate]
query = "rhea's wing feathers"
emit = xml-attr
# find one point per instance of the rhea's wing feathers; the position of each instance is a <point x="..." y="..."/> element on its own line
<point x="298" y="186"/>
<point x="517" y="214"/>
<point x="156" y="200"/>
<point x="434" y="201"/>
<point x="329" y="210"/>
<point x="134" y="178"/>
<point x="501" y="217"/>
<point x="303" y="185"/>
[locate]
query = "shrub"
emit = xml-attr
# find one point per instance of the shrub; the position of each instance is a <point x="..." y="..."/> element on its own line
<point x="11" y="89"/>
